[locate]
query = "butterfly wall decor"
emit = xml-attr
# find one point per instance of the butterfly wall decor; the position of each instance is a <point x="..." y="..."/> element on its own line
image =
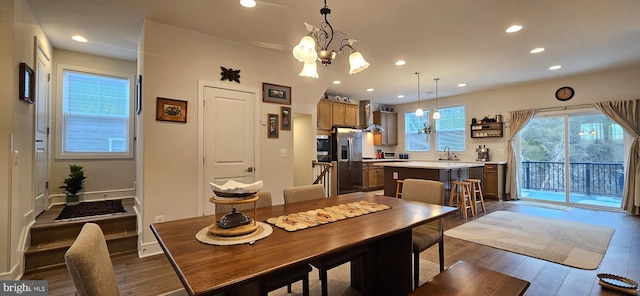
<point x="229" y="74"/>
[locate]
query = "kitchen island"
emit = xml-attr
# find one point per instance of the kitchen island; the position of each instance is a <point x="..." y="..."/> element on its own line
<point x="444" y="171"/>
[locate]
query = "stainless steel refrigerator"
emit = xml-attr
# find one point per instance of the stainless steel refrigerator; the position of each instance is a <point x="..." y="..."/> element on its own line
<point x="347" y="152"/>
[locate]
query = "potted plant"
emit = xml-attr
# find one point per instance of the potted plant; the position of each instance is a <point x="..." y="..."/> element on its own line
<point x="73" y="184"/>
<point x="425" y="129"/>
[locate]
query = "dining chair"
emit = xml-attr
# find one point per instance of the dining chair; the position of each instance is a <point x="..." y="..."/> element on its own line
<point x="89" y="263"/>
<point x="303" y="193"/>
<point x="316" y="191"/>
<point x="281" y="278"/>
<point x="428" y="234"/>
<point x="263" y="201"/>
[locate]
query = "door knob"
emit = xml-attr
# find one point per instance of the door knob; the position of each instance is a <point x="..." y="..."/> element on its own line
<point x="249" y="169"/>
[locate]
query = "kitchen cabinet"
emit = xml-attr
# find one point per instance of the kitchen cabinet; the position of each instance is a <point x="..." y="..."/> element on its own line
<point x="372" y="176"/>
<point x="494" y="179"/>
<point x="487" y="130"/>
<point x="344" y="114"/>
<point x="336" y="114"/>
<point x="389" y="122"/>
<point x="324" y="115"/>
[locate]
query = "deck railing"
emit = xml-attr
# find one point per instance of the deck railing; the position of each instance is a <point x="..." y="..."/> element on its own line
<point x="588" y="178"/>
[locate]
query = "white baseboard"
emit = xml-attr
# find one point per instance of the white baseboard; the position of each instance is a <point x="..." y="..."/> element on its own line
<point x="149" y="249"/>
<point x="14" y="274"/>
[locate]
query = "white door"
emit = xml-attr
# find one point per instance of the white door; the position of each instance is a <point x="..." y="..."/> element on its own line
<point x="228" y="139"/>
<point x="41" y="130"/>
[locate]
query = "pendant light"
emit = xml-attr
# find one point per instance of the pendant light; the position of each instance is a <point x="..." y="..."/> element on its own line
<point x="419" y="111"/>
<point x="436" y="113"/>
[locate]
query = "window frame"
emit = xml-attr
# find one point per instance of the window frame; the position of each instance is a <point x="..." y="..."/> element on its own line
<point x="427" y="115"/>
<point x="464" y="132"/>
<point x="59" y="116"/>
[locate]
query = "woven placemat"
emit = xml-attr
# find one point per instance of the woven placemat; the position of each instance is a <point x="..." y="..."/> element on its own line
<point x="205" y="237"/>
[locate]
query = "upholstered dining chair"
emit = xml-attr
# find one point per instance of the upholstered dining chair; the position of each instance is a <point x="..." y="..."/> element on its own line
<point x="302" y="193"/>
<point x="89" y="263"/>
<point x="316" y="191"/>
<point x="426" y="235"/>
<point x="287" y="276"/>
<point x="263" y="201"/>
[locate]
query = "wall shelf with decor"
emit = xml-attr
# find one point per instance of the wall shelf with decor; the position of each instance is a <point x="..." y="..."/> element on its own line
<point x="487" y="130"/>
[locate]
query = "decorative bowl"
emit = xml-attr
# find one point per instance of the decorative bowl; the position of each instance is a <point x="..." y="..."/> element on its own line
<point x="235" y="190"/>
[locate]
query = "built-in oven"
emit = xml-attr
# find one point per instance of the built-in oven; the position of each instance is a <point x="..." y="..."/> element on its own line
<point x="323" y="147"/>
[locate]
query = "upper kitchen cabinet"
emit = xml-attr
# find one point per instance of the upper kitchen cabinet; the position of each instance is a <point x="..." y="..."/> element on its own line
<point x="344" y="114"/>
<point x="324" y="115"/>
<point x="336" y="114"/>
<point x="389" y="122"/>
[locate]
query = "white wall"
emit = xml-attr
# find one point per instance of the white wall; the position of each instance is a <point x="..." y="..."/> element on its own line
<point x="112" y="177"/>
<point x="304" y="148"/>
<point x="614" y="84"/>
<point x="175" y="59"/>
<point x="17" y="33"/>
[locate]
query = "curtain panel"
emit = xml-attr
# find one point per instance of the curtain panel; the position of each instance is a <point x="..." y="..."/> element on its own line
<point x="625" y="113"/>
<point x="519" y="120"/>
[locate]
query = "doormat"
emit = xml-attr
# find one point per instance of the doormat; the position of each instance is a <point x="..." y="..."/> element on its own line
<point x="88" y="209"/>
<point x="569" y="243"/>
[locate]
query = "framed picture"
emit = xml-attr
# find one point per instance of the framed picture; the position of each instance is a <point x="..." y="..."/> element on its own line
<point x="171" y="110"/>
<point x="285" y="124"/>
<point x="278" y="94"/>
<point x="272" y="126"/>
<point x="27" y="84"/>
<point x="139" y="94"/>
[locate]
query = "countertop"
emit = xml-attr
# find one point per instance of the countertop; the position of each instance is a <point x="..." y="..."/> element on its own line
<point x="438" y="165"/>
<point x="375" y="160"/>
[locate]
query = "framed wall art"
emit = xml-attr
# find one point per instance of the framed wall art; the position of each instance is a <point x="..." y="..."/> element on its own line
<point x="171" y="110"/>
<point x="272" y="126"/>
<point x="278" y="94"/>
<point x="27" y="81"/>
<point x="285" y="124"/>
<point x="139" y="94"/>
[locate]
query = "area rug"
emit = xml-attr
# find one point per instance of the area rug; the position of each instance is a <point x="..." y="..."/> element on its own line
<point x="89" y="209"/>
<point x="569" y="243"/>
<point x="540" y="205"/>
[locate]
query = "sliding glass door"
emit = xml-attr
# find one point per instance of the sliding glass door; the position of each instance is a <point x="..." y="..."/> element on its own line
<point x="574" y="158"/>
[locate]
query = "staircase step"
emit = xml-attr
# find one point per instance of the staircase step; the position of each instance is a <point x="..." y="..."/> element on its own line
<point x="50" y="239"/>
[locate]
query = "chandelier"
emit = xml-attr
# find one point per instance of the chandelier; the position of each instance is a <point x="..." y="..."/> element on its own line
<point x="315" y="46"/>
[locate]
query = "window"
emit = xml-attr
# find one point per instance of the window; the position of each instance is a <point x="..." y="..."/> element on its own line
<point x="451" y="129"/>
<point x="94" y="117"/>
<point x="412" y="124"/>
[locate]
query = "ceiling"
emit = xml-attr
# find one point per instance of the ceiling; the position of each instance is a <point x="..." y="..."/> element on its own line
<point x="458" y="41"/>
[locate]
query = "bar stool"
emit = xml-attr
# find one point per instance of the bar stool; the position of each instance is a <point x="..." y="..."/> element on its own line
<point x="476" y="195"/>
<point x="460" y="197"/>
<point x="399" y="184"/>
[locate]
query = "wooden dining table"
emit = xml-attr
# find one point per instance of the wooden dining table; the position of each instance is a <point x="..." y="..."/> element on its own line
<point x="208" y="269"/>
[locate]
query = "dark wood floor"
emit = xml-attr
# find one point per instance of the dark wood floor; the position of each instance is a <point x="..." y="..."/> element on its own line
<point x="154" y="275"/>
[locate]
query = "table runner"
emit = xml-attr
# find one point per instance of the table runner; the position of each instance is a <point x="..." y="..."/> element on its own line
<point x="303" y="220"/>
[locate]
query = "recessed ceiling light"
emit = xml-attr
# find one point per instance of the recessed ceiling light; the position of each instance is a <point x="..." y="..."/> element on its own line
<point x="462" y="84"/>
<point x="556" y="67"/>
<point x="369" y="89"/>
<point x="514" y="28"/>
<point x="248" y="3"/>
<point x="79" y="38"/>
<point x="337" y="82"/>
<point x="400" y="96"/>
<point x="537" y="50"/>
<point x="400" y="63"/>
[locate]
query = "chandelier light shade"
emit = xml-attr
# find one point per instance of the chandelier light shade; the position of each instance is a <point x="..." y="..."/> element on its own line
<point x="310" y="70"/>
<point x="419" y="111"/>
<point x="436" y="113"/>
<point x="316" y="46"/>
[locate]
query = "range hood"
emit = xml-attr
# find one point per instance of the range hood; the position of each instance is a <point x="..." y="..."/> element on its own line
<point x="366" y="118"/>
